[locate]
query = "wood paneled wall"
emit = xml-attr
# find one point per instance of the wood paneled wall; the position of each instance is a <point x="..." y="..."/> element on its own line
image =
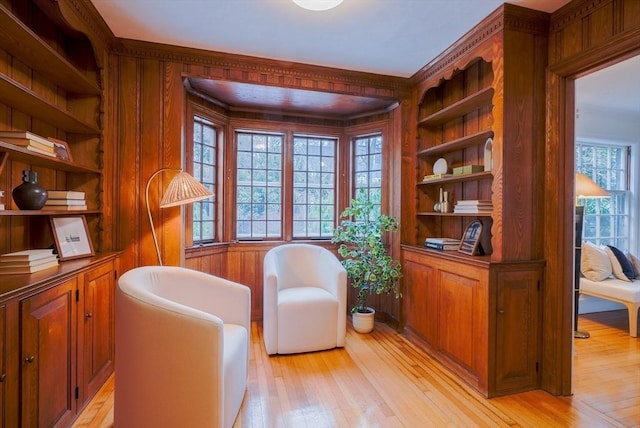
<point x="584" y="36"/>
<point x="148" y="90"/>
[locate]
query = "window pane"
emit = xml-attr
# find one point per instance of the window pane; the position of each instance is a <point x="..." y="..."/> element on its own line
<point x="259" y="181"/>
<point x="367" y="175"/>
<point x="204" y="170"/>
<point x="314" y="165"/>
<point x="606" y="220"/>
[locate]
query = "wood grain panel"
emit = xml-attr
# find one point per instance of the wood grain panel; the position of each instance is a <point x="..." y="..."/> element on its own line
<point x="421" y="300"/>
<point x="48" y="366"/>
<point x="456" y="318"/>
<point x="130" y="209"/>
<point x="570" y="27"/>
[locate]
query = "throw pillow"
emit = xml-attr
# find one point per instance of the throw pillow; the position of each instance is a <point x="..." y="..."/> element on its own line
<point x="595" y="263"/>
<point x="620" y="266"/>
<point x="635" y="262"/>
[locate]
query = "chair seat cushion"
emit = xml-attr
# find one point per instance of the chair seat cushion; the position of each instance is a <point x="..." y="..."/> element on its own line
<point x="307" y="320"/>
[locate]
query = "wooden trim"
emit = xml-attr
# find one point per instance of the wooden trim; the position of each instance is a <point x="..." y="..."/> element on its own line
<point x="557" y="303"/>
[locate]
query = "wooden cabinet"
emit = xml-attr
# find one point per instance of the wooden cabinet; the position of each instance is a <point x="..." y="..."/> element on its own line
<point x="3" y="363"/>
<point x="479" y="315"/>
<point x="479" y="319"/>
<point x="96" y="336"/>
<point x="47" y="356"/>
<point x="56" y="340"/>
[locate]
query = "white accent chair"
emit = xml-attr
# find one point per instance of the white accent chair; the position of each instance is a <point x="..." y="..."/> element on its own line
<point x="182" y="348"/>
<point x="305" y="299"/>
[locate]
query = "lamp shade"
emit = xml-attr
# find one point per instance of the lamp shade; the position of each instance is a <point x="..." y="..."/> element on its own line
<point x="587" y="188"/>
<point x="184" y="189"/>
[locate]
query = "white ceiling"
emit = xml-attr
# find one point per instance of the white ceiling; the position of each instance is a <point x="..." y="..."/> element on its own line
<point x="616" y="87"/>
<point x="391" y="37"/>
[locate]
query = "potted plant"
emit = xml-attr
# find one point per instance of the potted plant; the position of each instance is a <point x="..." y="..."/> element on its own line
<point x="365" y="258"/>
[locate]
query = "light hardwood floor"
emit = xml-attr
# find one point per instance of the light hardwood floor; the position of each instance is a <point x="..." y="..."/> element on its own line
<point x="382" y="380"/>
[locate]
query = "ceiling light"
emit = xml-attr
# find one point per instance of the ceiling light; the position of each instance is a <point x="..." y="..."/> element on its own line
<point x="317" y="4"/>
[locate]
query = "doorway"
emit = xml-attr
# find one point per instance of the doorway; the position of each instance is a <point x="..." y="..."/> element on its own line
<point x="606" y="147"/>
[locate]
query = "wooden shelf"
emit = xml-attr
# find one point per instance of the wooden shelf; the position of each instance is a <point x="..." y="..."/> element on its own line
<point x="23" y="155"/>
<point x="458" y="144"/>
<point x="25" y="100"/>
<point x="459" y="109"/>
<point x="434" y="214"/>
<point x="18" y="39"/>
<point x="481" y="261"/>
<point x="458" y="178"/>
<point x="45" y="212"/>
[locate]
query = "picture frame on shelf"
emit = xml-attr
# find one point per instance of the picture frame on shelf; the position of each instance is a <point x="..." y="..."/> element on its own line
<point x="61" y="149"/>
<point x="71" y="236"/>
<point x="470" y="242"/>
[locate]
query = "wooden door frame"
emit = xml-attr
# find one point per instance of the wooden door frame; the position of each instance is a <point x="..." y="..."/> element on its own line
<point x="558" y="299"/>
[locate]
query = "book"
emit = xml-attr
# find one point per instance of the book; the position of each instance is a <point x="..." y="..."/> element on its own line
<point x="442" y="240"/>
<point x="435" y="176"/>
<point x="473" y="208"/>
<point x="24" y="263"/>
<point x="11" y="270"/>
<point x="442" y="247"/>
<point x="34" y="254"/>
<point x="65" y="202"/>
<point x="65" y="194"/>
<point x="23" y="138"/>
<point x="29" y="143"/>
<point x="40" y="151"/>
<point x="474" y="202"/>
<point x="67" y="207"/>
<point x="489" y="212"/>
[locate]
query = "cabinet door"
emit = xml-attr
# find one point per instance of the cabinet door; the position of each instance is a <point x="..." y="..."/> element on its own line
<point x="3" y="364"/>
<point x="421" y="300"/>
<point x="47" y="357"/>
<point x="517" y="334"/>
<point x="96" y="329"/>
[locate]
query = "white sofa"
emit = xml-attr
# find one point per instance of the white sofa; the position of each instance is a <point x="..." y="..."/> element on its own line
<point x="627" y="293"/>
<point x="182" y="348"/>
<point x="305" y="299"/>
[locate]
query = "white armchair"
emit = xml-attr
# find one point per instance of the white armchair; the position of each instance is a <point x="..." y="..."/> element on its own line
<point x="182" y="348"/>
<point x="305" y="299"/>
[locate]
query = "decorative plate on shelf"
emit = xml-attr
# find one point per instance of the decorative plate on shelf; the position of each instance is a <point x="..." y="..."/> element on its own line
<point x="440" y="166"/>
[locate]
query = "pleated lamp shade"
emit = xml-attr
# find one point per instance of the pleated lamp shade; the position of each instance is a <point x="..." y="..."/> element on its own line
<point x="184" y="189"/>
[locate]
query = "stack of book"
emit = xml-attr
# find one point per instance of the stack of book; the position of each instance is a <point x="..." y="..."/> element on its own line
<point x="473" y="206"/>
<point x="435" y="177"/>
<point x="27" y="261"/>
<point x="29" y="141"/>
<point x="65" y="200"/>
<point x="442" y="244"/>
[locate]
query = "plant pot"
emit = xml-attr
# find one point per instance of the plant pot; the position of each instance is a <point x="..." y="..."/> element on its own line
<point x="363" y="321"/>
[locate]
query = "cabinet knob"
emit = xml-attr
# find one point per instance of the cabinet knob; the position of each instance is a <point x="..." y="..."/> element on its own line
<point x="88" y="315"/>
<point x="2" y="376"/>
<point x="30" y="359"/>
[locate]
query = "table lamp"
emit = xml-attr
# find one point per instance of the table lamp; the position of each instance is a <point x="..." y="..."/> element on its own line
<point x="183" y="189"/>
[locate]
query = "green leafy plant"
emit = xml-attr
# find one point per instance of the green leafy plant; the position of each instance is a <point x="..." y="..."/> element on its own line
<point x="365" y="258"/>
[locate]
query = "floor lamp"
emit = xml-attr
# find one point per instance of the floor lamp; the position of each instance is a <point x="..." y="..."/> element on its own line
<point x="585" y="188"/>
<point x="183" y="189"/>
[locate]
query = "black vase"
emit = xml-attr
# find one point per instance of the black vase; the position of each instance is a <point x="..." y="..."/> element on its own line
<point x="30" y="195"/>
